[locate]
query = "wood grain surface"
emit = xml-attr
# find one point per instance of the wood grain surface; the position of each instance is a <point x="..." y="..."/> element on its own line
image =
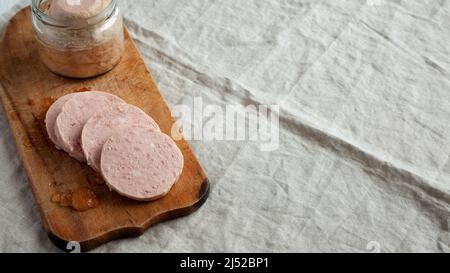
<point x="27" y="89"/>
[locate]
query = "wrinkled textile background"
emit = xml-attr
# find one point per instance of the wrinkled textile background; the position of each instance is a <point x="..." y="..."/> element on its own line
<point x="364" y="92"/>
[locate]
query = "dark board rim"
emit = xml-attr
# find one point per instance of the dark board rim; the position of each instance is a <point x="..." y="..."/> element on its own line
<point x="135" y="231"/>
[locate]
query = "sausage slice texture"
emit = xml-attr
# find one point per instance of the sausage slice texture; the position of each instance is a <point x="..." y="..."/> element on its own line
<point x="52" y="115"/>
<point x="74" y="115"/>
<point x="141" y="164"/>
<point x="116" y="119"/>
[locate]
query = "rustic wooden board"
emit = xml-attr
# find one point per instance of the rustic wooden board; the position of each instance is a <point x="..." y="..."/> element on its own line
<point x="27" y="89"/>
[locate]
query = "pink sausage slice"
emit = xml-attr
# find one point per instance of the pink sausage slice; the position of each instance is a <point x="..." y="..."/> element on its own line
<point x="52" y="115"/>
<point x="103" y="125"/>
<point x="141" y="164"/>
<point x="74" y="115"/>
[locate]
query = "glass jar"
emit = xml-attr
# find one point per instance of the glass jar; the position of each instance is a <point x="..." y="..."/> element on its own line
<point x="78" y="42"/>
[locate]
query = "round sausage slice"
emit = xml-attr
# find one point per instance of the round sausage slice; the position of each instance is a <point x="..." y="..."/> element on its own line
<point x="141" y="164"/>
<point x="52" y="115"/>
<point x="74" y="115"/>
<point x="103" y="125"/>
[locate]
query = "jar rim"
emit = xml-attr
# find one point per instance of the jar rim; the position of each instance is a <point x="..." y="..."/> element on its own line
<point x="93" y="20"/>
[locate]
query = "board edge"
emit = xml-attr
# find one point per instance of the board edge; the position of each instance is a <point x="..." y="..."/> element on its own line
<point x="135" y="231"/>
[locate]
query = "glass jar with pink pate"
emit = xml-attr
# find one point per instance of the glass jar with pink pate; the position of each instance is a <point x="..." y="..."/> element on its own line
<point x="78" y="38"/>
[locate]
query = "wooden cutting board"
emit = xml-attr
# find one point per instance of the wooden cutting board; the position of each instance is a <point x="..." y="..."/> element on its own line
<point x="27" y="89"/>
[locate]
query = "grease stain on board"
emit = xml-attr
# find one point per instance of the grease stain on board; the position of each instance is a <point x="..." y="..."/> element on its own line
<point x="81" y="199"/>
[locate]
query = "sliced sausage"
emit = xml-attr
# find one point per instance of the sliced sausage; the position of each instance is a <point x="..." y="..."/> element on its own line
<point x="74" y="115"/>
<point x="141" y="164"/>
<point x="52" y="115"/>
<point x="103" y="125"/>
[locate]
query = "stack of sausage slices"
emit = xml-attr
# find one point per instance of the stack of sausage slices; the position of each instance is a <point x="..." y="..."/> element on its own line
<point x="118" y="140"/>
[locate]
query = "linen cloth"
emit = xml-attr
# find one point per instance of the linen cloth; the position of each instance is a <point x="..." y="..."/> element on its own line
<point x="364" y="95"/>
